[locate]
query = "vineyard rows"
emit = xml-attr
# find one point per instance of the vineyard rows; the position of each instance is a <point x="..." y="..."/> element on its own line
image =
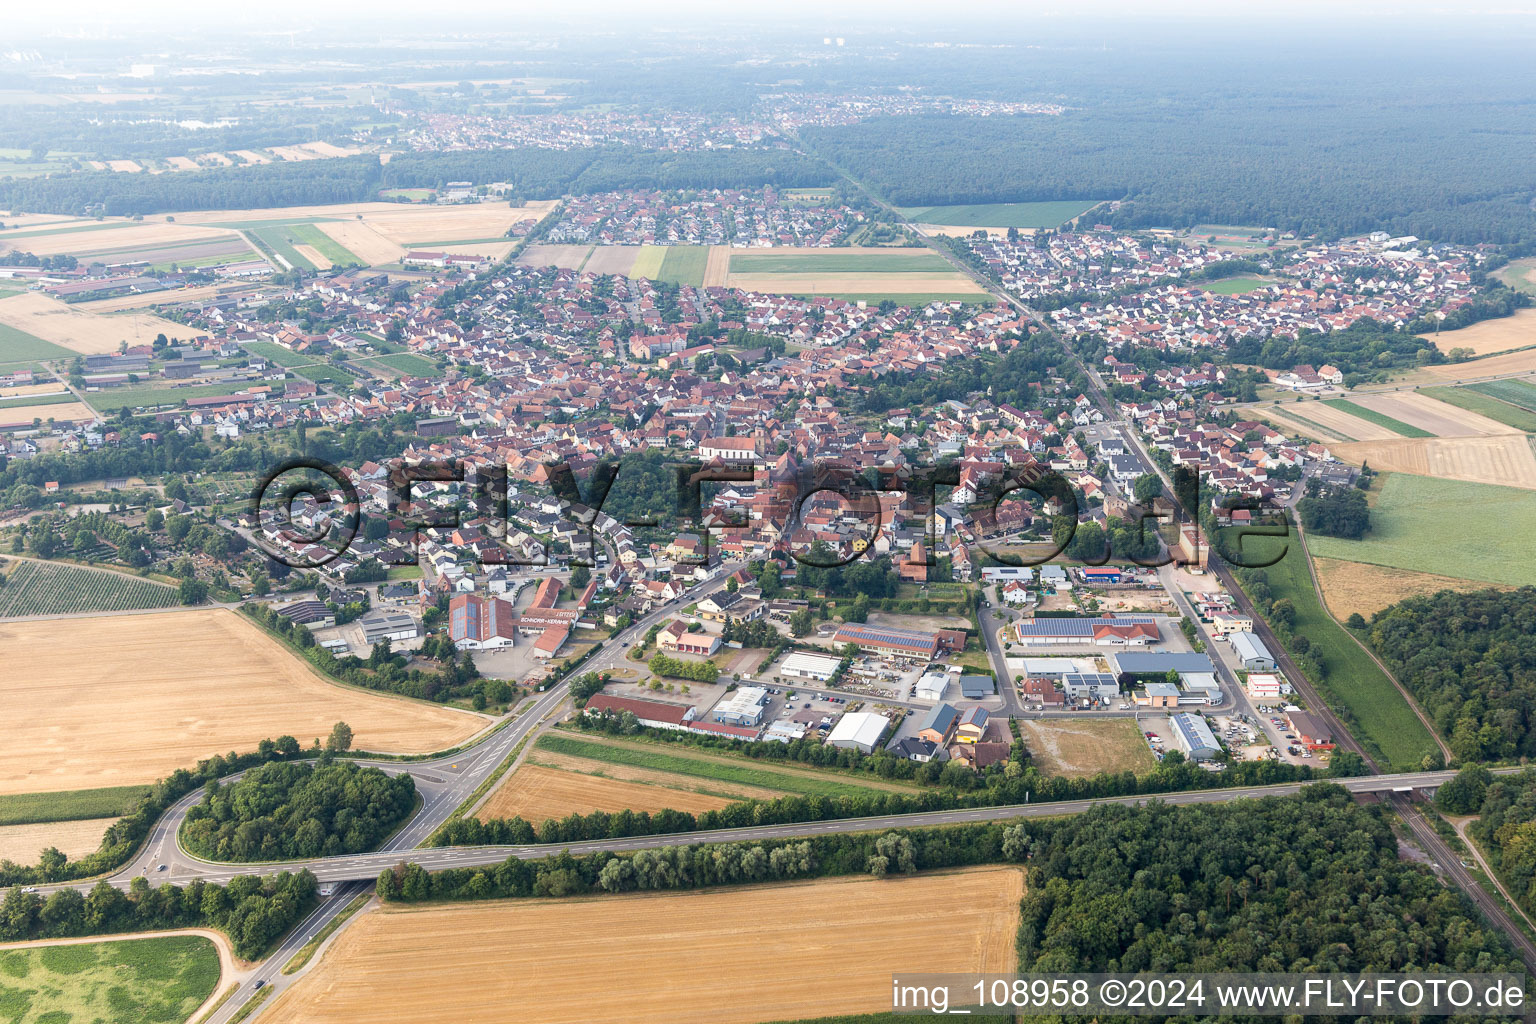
<point x="34" y="588"/>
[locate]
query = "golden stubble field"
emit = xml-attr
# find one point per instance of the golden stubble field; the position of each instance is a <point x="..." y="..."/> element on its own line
<point x="117" y="235"/>
<point x="23" y="844"/>
<point x="1506" y="459"/>
<point x="536" y="792"/>
<point x="83" y="331"/>
<point x="59" y="412"/>
<point x="1490" y="336"/>
<point x="724" y="956"/>
<point x="1367" y="589"/>
<point x="123" y="699"/>
<point x="1439" y="418"/>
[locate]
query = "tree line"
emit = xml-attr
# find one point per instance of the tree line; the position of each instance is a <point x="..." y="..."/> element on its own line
<point x="253" y="911"/>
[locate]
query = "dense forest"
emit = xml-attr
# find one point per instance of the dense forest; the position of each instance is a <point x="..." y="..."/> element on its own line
<point x="284" y="810"/>
<point x="1299" y="884"/>
<point x="1452" y="172"/>
<point x="1506" y="824"/>
<point x="1469" y="661"/>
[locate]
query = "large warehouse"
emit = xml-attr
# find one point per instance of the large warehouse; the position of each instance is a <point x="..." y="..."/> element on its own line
<point x="1102" y="632"/>
<point x="901" y="643"/>
<point x="858" y="730"/>
<point x="1252" y="652"/>
<point x="809" y="666"/>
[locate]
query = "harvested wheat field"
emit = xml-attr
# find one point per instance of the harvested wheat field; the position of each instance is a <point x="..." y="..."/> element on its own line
<point x="181" y="163"/>
<point x="1489" y="336"/>
<point x="59" y="412"/>
<point x="618" y="260"/>
<point x="856" y="283"/>
<point x="652" y="776"/>
<point x="123" y="699"/>
<point x="1367" y="589"/>
<point x="727" y="956"/>
<point x="1511" y="364"/>
<point x="717" y="270"/>
<point x="127" y="235"/>
<point x="1506" y="459"/>
<point x="292" y="153"/>
<point x="250" y="156"/>
<point x="1061" y="747"/>
<point x="23" y="844"/>
<point x="218" y="158"/>
<point x="329" y="150"/>
<point x="490" y="250"/>
<point x="362" y="241"/>
<point x="25" y="390"/>
<point x="125" y="166"/>
<point x="566" y="257"/>
<point x="83" y="331"/>
<point x="1292" y="425"/>
<point x="1426" y="413"/>
<point x="166" y="298"/>
<point x="313" y="255"/>
<point x="1346" y="425"/>
<point x="536" y="793"/>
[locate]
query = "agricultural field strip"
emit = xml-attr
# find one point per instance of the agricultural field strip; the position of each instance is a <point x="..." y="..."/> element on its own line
<point x="1484" y="404"/>
<point x="834" y="262"/>
<point x="807" y="781"/>
<point x="1045" y="214"/>
<point x="1380" y="419"/>
<point x="75" y="805"/>
<point x="650" y="776"/>
<point x="1516" y="392"/>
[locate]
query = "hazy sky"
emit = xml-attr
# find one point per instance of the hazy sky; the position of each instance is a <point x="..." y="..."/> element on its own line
<point x="463" y="15"/>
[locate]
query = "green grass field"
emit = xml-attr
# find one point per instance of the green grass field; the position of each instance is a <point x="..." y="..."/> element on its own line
<point x="1519" y="275"/>
<point x="1381" y="420"/>
<point x="1383" y="720"/>
<point x="133" y="397"/>
<point x="77" y="805"/>
<point x="1515" y="392"/>
<point x="19" y="346"/>
<point x="1001" y="215"/>
<point x="325" y="373"/>
<point x="684" y="264"/>
<point x="832" y="261"/>
<point x="138" y="981"/>
<point x="324" y="244"/>
<point x="1448" y="527"/>
<point x="415" y="195"/>
<point x="409" y="362"/>
<point x="648" y="262"/>
<point x="64" y="230"/>
<point x="277" y="354"/>
<point x="1234" y="285"/>
<point x="54" y="588"/>
<point x="1484" y="405"/>
<point x="11" y="403"/>
<point x="679" y="761"/>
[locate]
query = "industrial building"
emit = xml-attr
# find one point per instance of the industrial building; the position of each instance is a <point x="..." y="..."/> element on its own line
<point x="1194" y="737"/>
<point x="1251" y="651"/>
<point x="901" y="643"/>
<point x="800" y="665"/>
<point x="1131" y="664"/>
<point x="1082" y="632"/>
<point x="932" y="686"/>
<point x="976" y="687"/>
<point x="653" y="713"/>
<point x="744" y="706"/>
<point x="394" y="626"/>
<point x="858" y="730"/>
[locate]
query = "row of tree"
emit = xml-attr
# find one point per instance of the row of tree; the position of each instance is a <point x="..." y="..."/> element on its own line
<point x="253" y="911"/>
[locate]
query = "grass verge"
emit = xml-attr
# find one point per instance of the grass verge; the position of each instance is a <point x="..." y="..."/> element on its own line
<point x="303" y="956"/>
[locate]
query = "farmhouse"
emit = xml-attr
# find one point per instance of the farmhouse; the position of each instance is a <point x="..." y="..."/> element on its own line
<point x="858" y="730"/>
<point x="652" y="713"/>
<point x="809" y="666"/>
<point x="1193" y="736"/>
<point x="1251" y="651"/>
